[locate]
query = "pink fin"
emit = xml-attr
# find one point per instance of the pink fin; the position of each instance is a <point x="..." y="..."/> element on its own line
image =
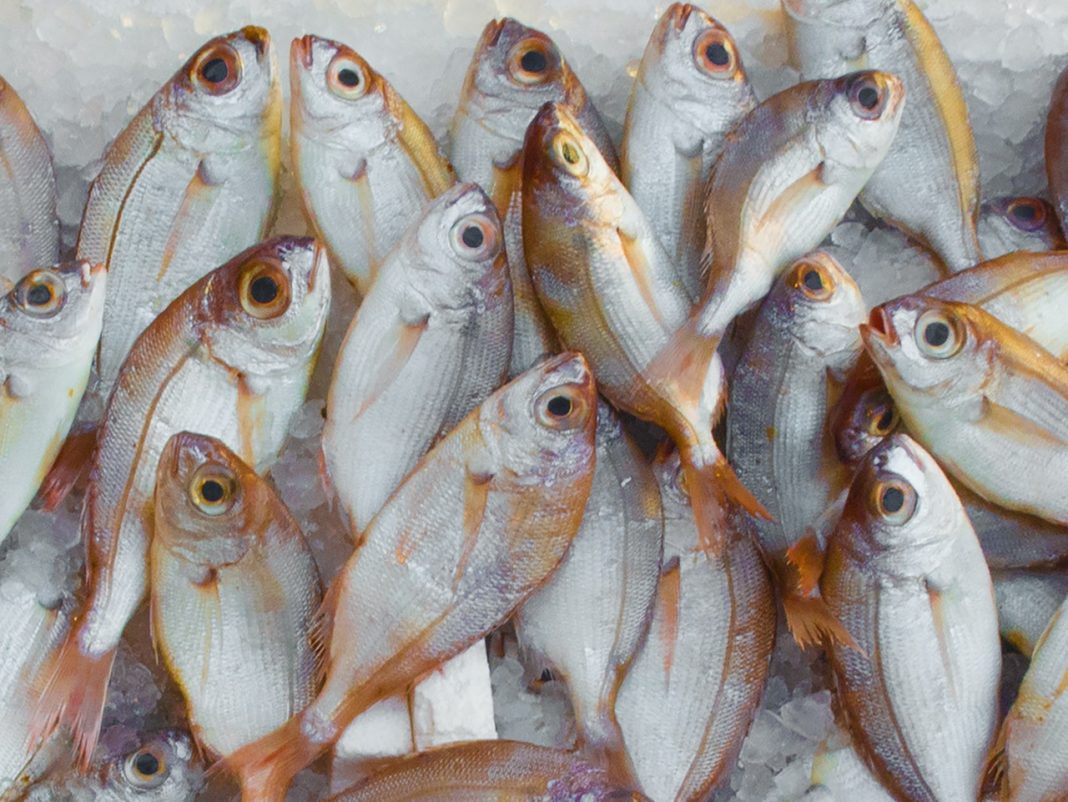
<point x="265" y="768"/>
<point x="68" y="471"/>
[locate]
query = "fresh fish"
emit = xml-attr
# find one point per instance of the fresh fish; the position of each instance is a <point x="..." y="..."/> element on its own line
<point x="431" y="340"/>
<point x="905" y="576"/>
<point x="489" y="771"/>
<point x="365" y="162"/>
<point x="479" y="524"/>
<point x="514" y="71"/>
<point x="188" y="184"/>
<point x="1027" y="601"/>
<point x="1057" y="148"/>
<point x="928" y="185"/>
<point x="1007" y="225"/>
<point x="49" y="328"/>
<point x="234" y="592"/>
<point x="691" y="693"/>
<point x="589" y="620"/>
<point x="1028" y="763"/>
<point x="29" y="228"/>
<point x="691" y="89"/>
<point x="230" y="357"/>
<point x="989" y="402"/>
<point x="804" y="342"/>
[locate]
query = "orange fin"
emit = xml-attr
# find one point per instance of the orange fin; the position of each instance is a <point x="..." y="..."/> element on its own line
<point x="806" y="559"/>
<point x="714" y="489"/>
<point x="68" y="471"/>
<point x="667" y="597"/>
<point x="811" y="622"/>
<point x="995" y="768"/>
<point x="321" y="630"/>
<point x="265" y="768"/>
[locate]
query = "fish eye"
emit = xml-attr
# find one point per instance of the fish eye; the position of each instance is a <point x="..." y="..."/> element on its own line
<point x="561" y="408"/>
<point x="218" y="70"/>
<point x="532" y="61"/>
<point x="213" y="490"/>
<point x="345" y="78"/>
<point x="474" y="237"/>
<point x="866" y="97"/>
<point x="1027" y="214"/>
<point x="882" y="415"/>
<point x="264" y="290"/>
<point x="40" y="293"/>
<point x="146" y="768"/>
<point x="893" y="500"/>
<point x="938" y="335"/>
<point x="813" y="280"/>
<point x="714" y="53"/>
<point x="568" y="153"/>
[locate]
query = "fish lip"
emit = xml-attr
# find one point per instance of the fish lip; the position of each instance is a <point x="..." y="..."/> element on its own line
<point x="492" y="32"/>
<point x="879" y="325"/>
<point x="681" y="15"/>
<point x="258" y="37"/>
<point x="320" y="261"/>
<point x="301" y="50"/>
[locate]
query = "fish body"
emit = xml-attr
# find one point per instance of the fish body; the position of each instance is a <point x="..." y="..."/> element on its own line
<point x="690" y="90"/>
<point x="29" y="228"/>
<point x="1007" y="225"/>
<point x="234" y="592"/>
<point x="187" y="185"/>
<point x="838" y="772"/>
<point x="905" y="576"/>
<point x="366" y="163"/>
<point x="928" y="184"/>
<point x="514" y="71"/>
<point x="1057" y="148"/>
<point x="1027" y="602"/>
<point x="49" y="327"/>
<point x="231" y="358"/>
<point x="430" y="341"/>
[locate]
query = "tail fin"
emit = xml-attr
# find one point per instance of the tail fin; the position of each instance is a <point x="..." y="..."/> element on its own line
<point x="266" y="767"/>
<point x="808" y="618"/>
<point x="714" y="488"/>
<point x="74" y="698"/>
<point x="69" y="469"/>
<point x="601" y="743"/>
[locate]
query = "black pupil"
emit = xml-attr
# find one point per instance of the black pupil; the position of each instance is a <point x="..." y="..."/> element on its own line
<point x="39" y="295"/>
<point x="533" y="61"/>
<point x="936" y="334"/>
<point x="212" y="491"/>
<point x="1025" y="211"/>
<point x="559" y="406"/>
<point x="215" y="71"/>
<point x="472" y="236"/>
<point x="813" y="280"/>
<point x="893" y="499"/>
<point x="885" y="421"/>
<point x="868" y="97"/>
<point x="264" y="290"/>
<point x="349" y="78"/>
<point x="717" y="54"/>
<point x="146" y="764"/>
<point x="570" y="154"/>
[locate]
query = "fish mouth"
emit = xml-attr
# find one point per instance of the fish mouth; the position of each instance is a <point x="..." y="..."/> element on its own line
<point x="301" y="51"/>
<point x="320" y="263"/>
<point x="492" y="32"/>
<point x="879" y="325"/>
<point x="681" y="15"/>
<point x="258" y="37"/>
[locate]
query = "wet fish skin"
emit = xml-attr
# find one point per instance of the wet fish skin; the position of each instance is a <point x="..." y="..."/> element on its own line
<point x="430" y="341"/>
<point x="366" y="163"/>
<point x="1027" y="601"/>
<point x="49" y="328"/>
<point x="838" y="772"/>
<point x="1057" y="148"/>
<point x="188" y="184"/>
<point x="29" y="228"/>
<point x="690" y="90"/>
<point x="905" y="575"/>
<point x="1007" y="225"/>
<point x="230" y="357"/>
<point x="928" y="185"/>
<point x="587" y="622"/>
<point x="234" y="592"/>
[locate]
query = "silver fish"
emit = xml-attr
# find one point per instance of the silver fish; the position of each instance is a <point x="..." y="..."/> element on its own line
<point x="1027" y="602"/>
<point x="1007" y="225"/>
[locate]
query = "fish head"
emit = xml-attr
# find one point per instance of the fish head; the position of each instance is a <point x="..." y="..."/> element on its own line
<point x="862" y="421"/>
<point x="1030" y="216"/>
<point x="49" y="309"/>
<point x="164" y="768"/>
<point x="857" y="118"/>
<point x="264" y="311"/>
<point x="227" y="96"/>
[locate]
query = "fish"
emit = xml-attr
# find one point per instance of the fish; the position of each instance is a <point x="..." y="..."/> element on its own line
<point x="479" y="524"/>
<point x="1027" y="763"/>
<point x="1007" y="225"/>
<point x="365" y="162"/>
<point x="1056" y="148"/>
<point x="514" y="71"/>
<point x="234" y="592"/>
<point x="1027" y="601"/>
<point x="905" y="576"/>
<point x="430" y="341"/>
<point x="804" y="342"/>
<point x="968" y="387"/>
<point x="484" y="771"/>
<point x="690" y="90"/>
<point x="29" y="227"/>
<point x="587" y="622"/>
<point x="231" y="357"/>
<point x="188" y="184"/>
<point x="928" y="185"/>
<point x="691" y="693"/>
<point x="49" y="328"/>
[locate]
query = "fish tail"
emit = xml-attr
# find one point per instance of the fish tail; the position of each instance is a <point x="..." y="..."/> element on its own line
<point x="68" y="470"/>
<point x="601" y="742"/>
<point x="265" y="768"/>
<point x="74" y="698"/>
<point x="714" y="488"/>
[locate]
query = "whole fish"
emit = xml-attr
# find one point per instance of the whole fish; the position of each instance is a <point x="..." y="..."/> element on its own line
<point x="430" y="341"/>
<point x="366" y="163"/>
<point x="1057" y="148"/>
<point x="1027" y="764"/>
<point x="1007" y="225"/>
<point x="29" y="228"/>
<point x="234" y="592"/>
<point x="479" y="524"/>
<point x="514" y="71"/>
<point x="1027" y="601"/>
<point x="231" y="357"/>
<point x="489" y="771"/>
<point x="589" y="619"/>
<point x="688" y="699"/>
<point x="928" y="185"/>
<point x="804" y="342"/>
<point x="969" y="387"/>
<point x="188" y="184"/>
<point x="690" y="90"/>
<point x="49" y="328"/>
<point x="905" y="576"/>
